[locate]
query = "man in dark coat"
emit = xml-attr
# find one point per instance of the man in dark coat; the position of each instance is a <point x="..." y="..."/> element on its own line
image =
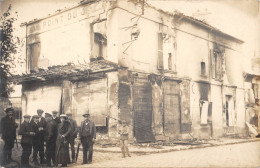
<point x="51" y="137"/>
<point x="87" y="135"/>
<point x="36" y="139"/>
<point x="38" y="124"/>
<point x="55" y="117"/>
<point x="42" y="127"/>
<point x="72" y="135"/>
<point x="26" y="141"/>
<point x="8" y="129"/>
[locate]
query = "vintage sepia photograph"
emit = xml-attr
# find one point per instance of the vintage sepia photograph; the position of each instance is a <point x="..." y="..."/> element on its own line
<point x="129" y="83"/>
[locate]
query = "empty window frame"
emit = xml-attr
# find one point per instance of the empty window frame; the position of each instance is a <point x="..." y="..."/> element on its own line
<point x="165" y="52"/>
<point x="216" y="64"/>
<point x="34" y="56"/>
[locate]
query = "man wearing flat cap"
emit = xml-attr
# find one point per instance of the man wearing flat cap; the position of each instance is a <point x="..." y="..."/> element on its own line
<point x="36" y="142"/>
<point x="42" y="127"/>
<point x="8" y="129"/>
<point x="55" y="117"/>
<point x="51" y="137"/>
<point x="72" y="135"/>
<point x="26" y="141"/>
<point x="87" y="135"/>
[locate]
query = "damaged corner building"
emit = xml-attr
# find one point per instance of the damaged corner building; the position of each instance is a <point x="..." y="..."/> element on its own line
<point x="170" y="76"/>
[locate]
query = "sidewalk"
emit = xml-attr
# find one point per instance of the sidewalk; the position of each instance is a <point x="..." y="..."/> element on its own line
<point x="161" y="147"/>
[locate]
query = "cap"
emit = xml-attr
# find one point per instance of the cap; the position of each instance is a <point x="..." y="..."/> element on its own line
<point x="9" y="109"/>
<point x="63" y="115"/>
<point x="35" y="116"/>
<point x="40" y="111"/>
<point x="54" y="112"/>
<point x="69" y="114"/>
<point x="26" y="116"/>
<point x="48" y="115"/>
<point x="86" y="114"/>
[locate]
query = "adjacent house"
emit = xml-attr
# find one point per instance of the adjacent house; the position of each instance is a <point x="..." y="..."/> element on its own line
<point x="168" y="75"/>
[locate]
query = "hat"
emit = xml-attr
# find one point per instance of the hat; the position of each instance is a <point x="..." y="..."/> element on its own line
<point x="35" y="116"/>
<point x="69" y="114"/>
<point x="9" y="109"/>
<point x="26" y="116"/>
<point x="123" y="121"/>
<point x="63" y="115"/>
<point x="48" y="115"/>
<point x="86" y="114"/>
<point x="40" y="111"/>
<point x="54" y="112"/>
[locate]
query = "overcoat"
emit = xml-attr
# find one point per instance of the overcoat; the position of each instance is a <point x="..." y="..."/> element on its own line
<point x="25" y="130"/>
<point x="62" y="145"/>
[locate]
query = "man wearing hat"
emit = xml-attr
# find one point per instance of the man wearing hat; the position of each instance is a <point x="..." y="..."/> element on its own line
<point x="26" y="141"/>
<point x="123" y="132"/>
<point x="55" y="117"/>
<point x="72" y="135"/>
<point x="8" y="129"/>
<point x="36" y="139"/>
<point x="87" y="135"/>
<point x="51" y="137"/>
<point x="42" y="126"/>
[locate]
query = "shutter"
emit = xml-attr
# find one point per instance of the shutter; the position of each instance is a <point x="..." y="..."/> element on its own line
<point x="204" y="113"/>
<point x="210" y="112"/>
<point x="34" y="55"/>
<point x="143" y="110"/>
<point x="160" y="51"/>
<point x="213" y="65"/>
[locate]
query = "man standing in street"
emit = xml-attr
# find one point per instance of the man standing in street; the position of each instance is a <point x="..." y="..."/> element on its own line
<point x="26" y="141"/>
<point x="123" y="132"/>
<point x="55" y="117"/>
<point x="51" y="137"/>
<point x="72" y="135"/>
<point x="87" y="135"/>
<point x="8" y="129"/>
<point x="42" y="127"/>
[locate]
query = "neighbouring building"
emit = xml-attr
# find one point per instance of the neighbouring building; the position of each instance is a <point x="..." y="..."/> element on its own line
<point x="170" y="76"/>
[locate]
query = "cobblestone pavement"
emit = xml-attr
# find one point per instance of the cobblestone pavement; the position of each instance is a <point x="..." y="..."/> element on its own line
<point x="237" y="155"/>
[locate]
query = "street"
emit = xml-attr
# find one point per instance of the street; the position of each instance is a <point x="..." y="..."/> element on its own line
<point x="237" y="155"/>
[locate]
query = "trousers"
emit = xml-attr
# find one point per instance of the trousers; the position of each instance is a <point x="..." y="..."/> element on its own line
<point x="72" y="147"/>
<point x="50" y="152"/>
<point x="87" y="145"/>
<point x="27" y="150"/>
<point x="124" y="147"/>
<point x="7" y="153"/>
<point x="38" y="148"/>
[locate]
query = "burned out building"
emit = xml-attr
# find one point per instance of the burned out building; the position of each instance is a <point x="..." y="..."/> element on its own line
<point x="170" y="76"/>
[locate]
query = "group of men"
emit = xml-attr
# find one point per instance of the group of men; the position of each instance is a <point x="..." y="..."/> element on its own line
<point x="37" y="130"/>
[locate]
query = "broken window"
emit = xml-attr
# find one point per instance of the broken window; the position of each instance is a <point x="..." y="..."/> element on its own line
<point x="99" y="49"/>
<point x="165" y="52"/>
<point x="34" y="56"/>
<point x="203" y="68"/>
<point x="100" y="45"/>
<point x="216" y="64"/>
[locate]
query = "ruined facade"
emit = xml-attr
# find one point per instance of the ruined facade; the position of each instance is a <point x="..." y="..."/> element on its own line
<point x="170" y="76"/>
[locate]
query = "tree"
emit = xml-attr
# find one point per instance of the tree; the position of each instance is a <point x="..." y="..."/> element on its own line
<point x="8" y="48"/>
